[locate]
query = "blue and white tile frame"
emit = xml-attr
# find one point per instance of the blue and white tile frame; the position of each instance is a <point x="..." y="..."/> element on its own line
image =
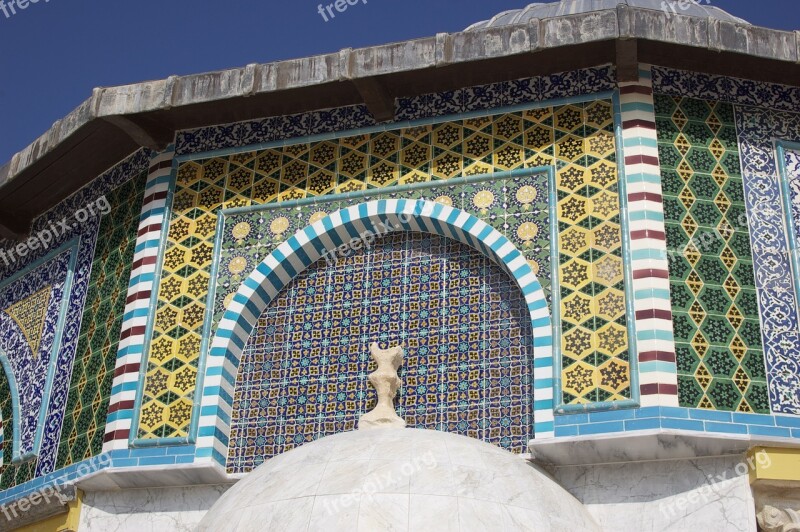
<point x="732" y="90"/>
<point x="791" y="161"/>
<point x="770" y="234"/>
<point x="85" y="236"/>
<point x="26" y="369"/>
<point x="309" y="245"/>
<point x="60" y="371"/>
<point x="763" y="121"/>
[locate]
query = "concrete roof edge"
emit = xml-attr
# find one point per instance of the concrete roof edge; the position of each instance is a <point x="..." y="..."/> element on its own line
<point x="430" y="52"/>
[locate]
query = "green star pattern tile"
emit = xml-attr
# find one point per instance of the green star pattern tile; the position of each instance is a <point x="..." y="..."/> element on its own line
<point x="93" y="370"/>
<point x="715" y="312"/>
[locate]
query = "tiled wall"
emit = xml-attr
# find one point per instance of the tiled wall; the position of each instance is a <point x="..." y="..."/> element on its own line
<point x="578" y="140"/>
<point x="724" y="368"/>
<point x="463" y="322"/>
<point x="765" y="114"/>
<point x="591" y="302"/>
<point x="42" y="313"/>
<point x="720" y="359"/>
<point x="93" y="369"/>
<point x="33" y="306"/>
<point x="733" y="282"/>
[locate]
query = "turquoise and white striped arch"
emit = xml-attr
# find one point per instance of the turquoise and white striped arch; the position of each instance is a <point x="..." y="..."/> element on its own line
<point x="309" y="245"/>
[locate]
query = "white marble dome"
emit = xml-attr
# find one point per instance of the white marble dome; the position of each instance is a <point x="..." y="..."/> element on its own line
<point x="407" y="479"/>
<point x="541" y="10"/>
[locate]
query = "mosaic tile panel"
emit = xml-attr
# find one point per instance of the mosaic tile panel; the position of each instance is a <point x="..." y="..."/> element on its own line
<point x="507" y="93"/>
<point x="29" y="315"/>
<point x="430" y="153"/>
<point x="518" y="207"/>
<point x="683" y="83"/>
<point x="764" y="113"/>
<point x="715" y="310"/>
<point x="84" y="234"/>
<point x="758" y="131"/>
<point x="93" y="369"/>
<point x="591" y="297"/>
<point x="65" y="211"/>
<point x="464" y="323"/>
<point x="44" y="286"/>
<point x="10" y="474"/>
<point x="302" y="250"/>
<point x="792" y="166"/>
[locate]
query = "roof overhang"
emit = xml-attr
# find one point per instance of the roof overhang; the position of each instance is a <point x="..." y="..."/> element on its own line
<point x="114" y="122"/>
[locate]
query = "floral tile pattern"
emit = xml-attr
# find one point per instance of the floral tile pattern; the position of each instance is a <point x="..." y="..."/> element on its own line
<point x="773" y="270"/>
<point x="84" y="237"/>
<point x="518" y="92"/>
<point x="44" y="287"/>
<point x="463" y="321"/>
<point x="792" y="166"/>
<point x="683" y="83"/>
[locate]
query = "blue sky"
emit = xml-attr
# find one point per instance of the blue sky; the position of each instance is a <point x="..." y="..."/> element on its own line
<point x="56" y="51"/>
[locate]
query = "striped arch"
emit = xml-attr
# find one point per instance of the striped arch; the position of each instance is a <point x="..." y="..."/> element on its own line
<point x="310" y="244"/>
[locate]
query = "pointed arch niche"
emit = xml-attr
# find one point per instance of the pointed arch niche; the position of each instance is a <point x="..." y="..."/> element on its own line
<point x="339" y="229"/>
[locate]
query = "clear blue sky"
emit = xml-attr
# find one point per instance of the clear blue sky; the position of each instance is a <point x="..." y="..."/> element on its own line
<point x="55" y="51"/>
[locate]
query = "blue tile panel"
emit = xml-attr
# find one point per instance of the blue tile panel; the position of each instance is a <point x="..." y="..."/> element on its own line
<point x="114" y="459"/>
<point x="265" y="283"/>
<point x="689" y="419"/>
<point x="30" y="308"/>
<point x="71" y="227"/>
<point x="463" y="320"/>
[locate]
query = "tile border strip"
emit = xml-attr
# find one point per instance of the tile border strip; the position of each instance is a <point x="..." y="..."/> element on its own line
<point x="648" y="244"/>
<point x="321" y="124"/>
<point x="677" y="418"/>
<point x="141" y="296"/>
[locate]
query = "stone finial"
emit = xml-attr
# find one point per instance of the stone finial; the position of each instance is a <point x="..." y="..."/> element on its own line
<point x="386" y="383"/>
<point x="772" y="519"/>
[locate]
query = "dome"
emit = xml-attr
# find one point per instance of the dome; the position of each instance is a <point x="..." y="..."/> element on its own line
<point x="390" y="479"/>
<point x="569" y="7"/>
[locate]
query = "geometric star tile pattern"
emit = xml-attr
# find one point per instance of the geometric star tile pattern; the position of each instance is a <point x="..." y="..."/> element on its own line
<point x="594" y="337"/>
<point x="720" y="357"/>
<point x="765" y="113"/>
<point x="575" y="138"/>
<point x="517" y="206"/>
<point x="65" y="309"/>
<point x="95" y="358"/>
<point x="464" y="324"/>
<point x="29" y="314"/>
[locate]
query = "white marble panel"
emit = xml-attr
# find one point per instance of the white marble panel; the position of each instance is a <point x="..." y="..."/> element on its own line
<point x="145" y="510"/>
<point x="701" y="494"/>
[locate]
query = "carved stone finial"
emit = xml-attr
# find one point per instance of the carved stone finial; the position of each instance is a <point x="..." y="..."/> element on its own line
<point x="771" y="519"/>
<point x="386" y="383"/>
